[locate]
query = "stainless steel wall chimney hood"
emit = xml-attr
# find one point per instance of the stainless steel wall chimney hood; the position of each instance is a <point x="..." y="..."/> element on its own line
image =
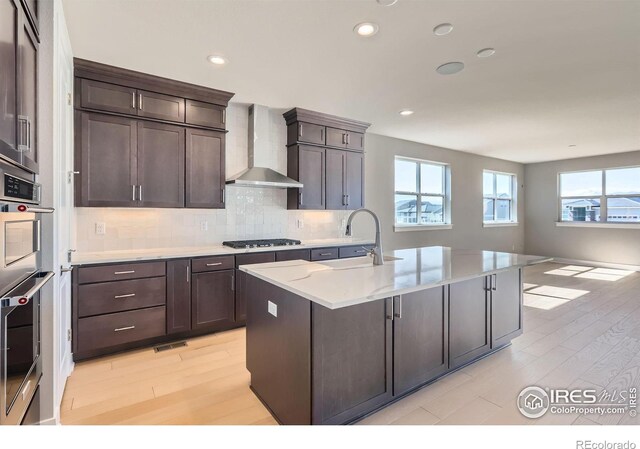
<point x="259" y="174"/>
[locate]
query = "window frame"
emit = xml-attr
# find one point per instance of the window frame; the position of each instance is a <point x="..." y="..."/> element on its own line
<point x="603" y="197"/>
<point x="513" y="199"/>
<point x="445" y="195"/>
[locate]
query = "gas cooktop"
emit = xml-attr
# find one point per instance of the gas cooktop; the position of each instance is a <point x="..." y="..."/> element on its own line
<point x="239" y="244"/>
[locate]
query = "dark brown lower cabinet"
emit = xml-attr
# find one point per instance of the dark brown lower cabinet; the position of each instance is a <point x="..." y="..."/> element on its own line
<point x="351" y="359"/>
<point x="242" y="293"/>
<point x="212" y="299"/>
<point x="469" y="320"/>
<point x="420" y="338"/>
<point x="506" y="314"/>
<point x="178" y="296"/>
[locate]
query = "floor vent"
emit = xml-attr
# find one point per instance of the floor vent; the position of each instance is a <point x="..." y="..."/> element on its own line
<point x="168" y="346"/>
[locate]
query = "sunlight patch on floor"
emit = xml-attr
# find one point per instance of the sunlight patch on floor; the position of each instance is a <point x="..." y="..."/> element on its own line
<point x="558" y="292"/>
<point x="599" y="274"/>
<point x="526" y="286"/>
<point x="561" y="272"/>
<point x="542" y="302"/>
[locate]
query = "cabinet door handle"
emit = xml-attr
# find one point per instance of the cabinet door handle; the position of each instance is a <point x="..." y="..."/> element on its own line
<point x="120" y="329"/>
<point x="140" y="193"/>
<point x="125" y="272"/>
<point x="128" y="295"/>
<point x="389" y="307"/>
<point x="325" y="254"/>
<point x="300" y="131"/>
<point x="133" y="193"/>
<point x="300" y="198"/>
<point x="233" y="282"/>
<point x="347" y="199"/>
<point x="344" y="140"/>
<point x="188" y="274"/>
<point x="224" y="116"/>
<point x="214" y="264"/>
<point x="140" y="101"/>
<point x="348" y="138"/>
<point x="28" y="134"/>
<point x="494" y="282"/>
<point x="397" y="311"/>
<point x="133" y="100"/>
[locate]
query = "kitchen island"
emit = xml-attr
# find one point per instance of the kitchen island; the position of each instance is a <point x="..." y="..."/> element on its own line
<point x="330" y="342"/>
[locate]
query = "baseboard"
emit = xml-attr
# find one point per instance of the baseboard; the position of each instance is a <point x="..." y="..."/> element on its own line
<point x="619" y="266"/>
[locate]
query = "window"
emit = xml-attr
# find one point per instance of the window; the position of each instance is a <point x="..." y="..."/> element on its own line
<point x="420" y="192"/>
<point x="611" y="195"/>
<point x="499" y="199"/>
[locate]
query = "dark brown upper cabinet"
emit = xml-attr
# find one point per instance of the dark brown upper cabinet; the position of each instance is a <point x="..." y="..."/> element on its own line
<point x="19" y="86"/>
<point x="307" y="164"/>
<point x="326" y="154"/>
<point x="107" y="97"/>
<point x="205" y="169"/>
<point x="128" y="163"/>
<point x="345" y="179"/>
<point x="206" y="114"/>
<point x="145" y="141"/>
<point x="106" y="157"/>
<point x="161" y="156"/>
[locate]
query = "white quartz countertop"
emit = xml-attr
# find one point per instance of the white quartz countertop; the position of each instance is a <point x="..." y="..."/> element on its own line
<point x="345" y="282"/>
<point x="89" y="258"/>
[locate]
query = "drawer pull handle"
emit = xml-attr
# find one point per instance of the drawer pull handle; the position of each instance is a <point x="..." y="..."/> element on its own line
<point x="124" y="328"/>
<point x="125" y="272"/>
<point x="361" y="251"/>
<point x="326" y="254"/>
<point x="214" y="264"/>
<point x="125" y="296"/>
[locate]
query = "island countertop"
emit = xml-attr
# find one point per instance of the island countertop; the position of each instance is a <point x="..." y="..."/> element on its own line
<point x="345" y="282"/>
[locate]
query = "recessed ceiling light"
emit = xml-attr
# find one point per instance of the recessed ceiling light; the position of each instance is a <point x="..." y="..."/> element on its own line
<point x="442" y="29"/>
<point x="486" y="52"/>
<point x="387" y="2"/>
<point x="366" y="29"/>
<point x="450" y="68"/>
<point x="217" y="60"/>
<point x="572" y="145"/>
<point x="406" y="112"/>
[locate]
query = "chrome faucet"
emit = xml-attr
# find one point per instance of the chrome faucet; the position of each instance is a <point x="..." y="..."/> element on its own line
<point x="378" y="259"/>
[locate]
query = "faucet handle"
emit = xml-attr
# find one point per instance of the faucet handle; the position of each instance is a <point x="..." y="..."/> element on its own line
<point x="370" y="251"/>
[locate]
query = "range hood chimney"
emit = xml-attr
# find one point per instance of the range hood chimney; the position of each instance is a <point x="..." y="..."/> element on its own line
<point x="259" y="174"/>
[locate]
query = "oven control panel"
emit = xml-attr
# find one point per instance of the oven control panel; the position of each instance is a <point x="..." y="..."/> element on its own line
<point x="18" y="189"/>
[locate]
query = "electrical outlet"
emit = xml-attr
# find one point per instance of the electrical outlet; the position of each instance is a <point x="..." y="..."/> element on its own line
<point x="272" y="308"/>
<point x="204" y="225"/>
<point x="300" y="223"/>
<point x="101" y="228"/>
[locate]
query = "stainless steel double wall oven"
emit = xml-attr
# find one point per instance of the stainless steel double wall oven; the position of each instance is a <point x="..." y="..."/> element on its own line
<point x="20" y="283"/>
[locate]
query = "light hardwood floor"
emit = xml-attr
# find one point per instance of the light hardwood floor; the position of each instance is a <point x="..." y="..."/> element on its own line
<point x="581" y="329"/>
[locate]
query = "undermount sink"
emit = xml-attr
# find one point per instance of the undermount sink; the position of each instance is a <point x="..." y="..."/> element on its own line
<point x="356" y="262"/>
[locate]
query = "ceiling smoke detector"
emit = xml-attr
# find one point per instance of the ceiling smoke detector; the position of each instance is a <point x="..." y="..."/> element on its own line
<point x="443" y="29"/>
<point x="450" y="68"/>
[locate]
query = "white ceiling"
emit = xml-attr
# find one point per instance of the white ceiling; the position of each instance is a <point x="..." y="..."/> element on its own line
<point x="564" y="72"/>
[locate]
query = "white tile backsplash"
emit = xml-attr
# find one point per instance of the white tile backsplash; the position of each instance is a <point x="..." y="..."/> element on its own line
<point x="250" y="213"/>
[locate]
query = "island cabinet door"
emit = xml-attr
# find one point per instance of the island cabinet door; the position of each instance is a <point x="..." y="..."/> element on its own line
<point x="212" y="299"/>
<point x="506" y="307"/>
<point x="351" y="360"/>
<point x="420" y="338"/>
<point x="469" y="318"/>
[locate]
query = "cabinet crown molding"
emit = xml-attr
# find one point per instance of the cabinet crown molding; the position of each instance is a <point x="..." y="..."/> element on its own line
<point x="130" y="78"/>
<point x="319" y="118"/>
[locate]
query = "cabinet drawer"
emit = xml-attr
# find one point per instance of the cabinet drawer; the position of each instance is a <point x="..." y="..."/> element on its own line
<point x="109" y="297"/>
<point x="310" y="133"/>
<point x="295" y="254"/>
<point x="206" y="114"/>
<point x="336" y="138"/>
<point x="324" y="254"/>
<point x="248" y="259"/>
<point x="107" y="273"/>
<point x="118" y="328"/>
<point x="355" y="141"/>
<point x="212" y="264"/>
<point x="354" y="251"/>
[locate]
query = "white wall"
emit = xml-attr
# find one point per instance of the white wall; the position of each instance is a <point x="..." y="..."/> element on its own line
<point x="249" y="213"/>
<point x="466" y="193"/>
<point x="611" y="245"/>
